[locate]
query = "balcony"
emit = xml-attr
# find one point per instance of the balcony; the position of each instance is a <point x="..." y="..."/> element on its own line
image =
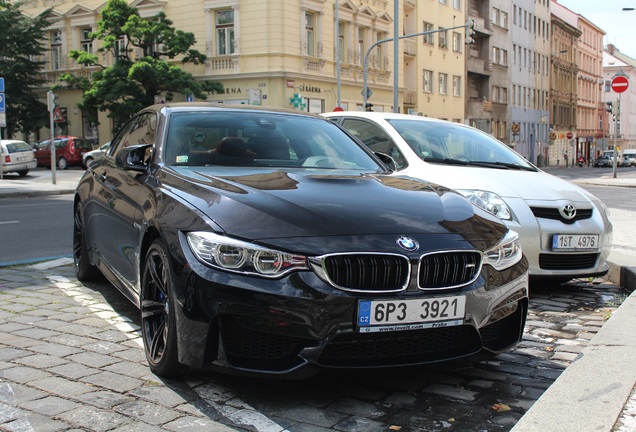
<point x="479" y="65"/>
<point x="410" y="97"/>
<point x="410" y="47"/>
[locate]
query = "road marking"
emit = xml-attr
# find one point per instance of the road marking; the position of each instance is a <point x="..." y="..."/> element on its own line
<point x="9" y="222"/>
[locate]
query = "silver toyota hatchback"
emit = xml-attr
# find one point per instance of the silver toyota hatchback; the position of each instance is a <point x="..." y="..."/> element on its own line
<point x="565" y="231"/>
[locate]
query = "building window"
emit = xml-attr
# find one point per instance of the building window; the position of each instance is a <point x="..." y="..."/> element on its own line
<point x="457" y="4"/>
<point x="443" y="38"/>
<point x="341" y="41"/>
<point x="55" y="38"/>
<point x="119" y="49"/>
<point x="86" y="44"/>
<point x="362" y="31"/>
<point x="225" y="32"/>
<point x="457" y="85"/>
<point x="310" y="33"/>
<point x="500" y="56"/>
<point x="443" y="83"/>
<point x="443" y="1"/>
<point x="457" y="42"/>
<point x="428" y="81"/>
<point x="381" y="61"/>
<point x="429" y="39"/>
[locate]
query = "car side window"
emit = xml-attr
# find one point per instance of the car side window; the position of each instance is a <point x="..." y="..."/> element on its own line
<point x="375" y="138"/>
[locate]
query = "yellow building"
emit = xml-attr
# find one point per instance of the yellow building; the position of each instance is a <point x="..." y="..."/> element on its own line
<point x="283" y="53"/>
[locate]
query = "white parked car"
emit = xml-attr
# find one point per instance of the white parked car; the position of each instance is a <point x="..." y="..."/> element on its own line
<point x="90" y="156"/>
<point x="565" y="231"/>
<point x="16" y="157"/>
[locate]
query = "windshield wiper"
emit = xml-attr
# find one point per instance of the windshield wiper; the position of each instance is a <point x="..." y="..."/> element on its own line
<point x="498" y="165"/>
<point x="510" y="165"/>
<point x="448" y="161"/>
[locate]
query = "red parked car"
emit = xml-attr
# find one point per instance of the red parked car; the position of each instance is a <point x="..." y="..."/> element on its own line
<point x="68" y="151"/>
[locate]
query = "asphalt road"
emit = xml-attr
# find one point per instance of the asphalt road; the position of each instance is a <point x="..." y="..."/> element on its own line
<point x="35" y="229"/>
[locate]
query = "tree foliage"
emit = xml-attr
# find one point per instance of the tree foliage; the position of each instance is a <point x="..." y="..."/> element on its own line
<point x="140" y="70"/>
<point x="21" y="43"/>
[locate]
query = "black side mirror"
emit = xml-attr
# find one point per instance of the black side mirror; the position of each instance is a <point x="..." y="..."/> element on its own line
<point x="134" y="158"/>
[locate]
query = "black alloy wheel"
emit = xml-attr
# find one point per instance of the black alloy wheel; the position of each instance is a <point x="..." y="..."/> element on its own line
<point x="158" y="324"/>
<point x="84" y="270"/>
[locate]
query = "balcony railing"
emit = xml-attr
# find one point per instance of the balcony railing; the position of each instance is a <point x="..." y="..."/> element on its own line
<point x="410" y="47"/>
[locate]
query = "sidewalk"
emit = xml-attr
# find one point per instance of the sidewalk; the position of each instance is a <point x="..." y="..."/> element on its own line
<point x="595" y="393"/>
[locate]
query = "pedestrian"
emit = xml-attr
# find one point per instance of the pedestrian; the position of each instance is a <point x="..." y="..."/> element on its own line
<point x="565" y="158"/>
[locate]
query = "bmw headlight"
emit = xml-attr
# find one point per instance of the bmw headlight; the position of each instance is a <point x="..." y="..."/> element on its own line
<point x="489" y="201"/>
<point x="242" y="257"/>
<point x="506" y="254"/>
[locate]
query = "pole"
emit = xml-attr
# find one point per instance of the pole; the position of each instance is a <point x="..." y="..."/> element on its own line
<point x="1" y="161"/>
<point x="337" y="56"/>
<point x="396" y="59"/>
<point x="53" y="163"/>
<point x="617" y="122"/>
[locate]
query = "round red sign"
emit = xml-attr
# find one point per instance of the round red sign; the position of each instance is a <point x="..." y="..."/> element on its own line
<point x="619" y="83"/>
<point x="569" y="135"/>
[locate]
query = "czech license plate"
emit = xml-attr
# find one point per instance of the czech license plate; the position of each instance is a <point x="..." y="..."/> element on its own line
<point x="575" y="242"/>
<point x="411" y="314"/>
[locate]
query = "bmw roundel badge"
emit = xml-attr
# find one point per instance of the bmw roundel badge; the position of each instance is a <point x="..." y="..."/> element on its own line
<point x="408" y="244"/>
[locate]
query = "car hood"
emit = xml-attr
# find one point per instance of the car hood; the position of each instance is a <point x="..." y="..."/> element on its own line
<point x="270" y="204"/>
<point x="507" y="183"/>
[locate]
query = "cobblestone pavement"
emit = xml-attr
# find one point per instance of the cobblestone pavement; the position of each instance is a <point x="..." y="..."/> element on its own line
<point x="71" y="360"/>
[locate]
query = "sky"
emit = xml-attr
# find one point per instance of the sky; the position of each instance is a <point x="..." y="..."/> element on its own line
<point x="619" y="26"/>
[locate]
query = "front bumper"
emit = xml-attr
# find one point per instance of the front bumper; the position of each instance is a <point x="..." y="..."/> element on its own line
<point x="536" y="232"/>
<point x="295" y="325"/>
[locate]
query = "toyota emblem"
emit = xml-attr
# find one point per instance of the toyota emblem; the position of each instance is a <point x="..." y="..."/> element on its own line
<point x="568" y="212"/>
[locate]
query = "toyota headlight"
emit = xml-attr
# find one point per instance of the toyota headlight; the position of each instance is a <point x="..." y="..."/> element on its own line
<point x="242" y="257"/>
<point x="507" y="252"/>
<point x="489" y="201"/>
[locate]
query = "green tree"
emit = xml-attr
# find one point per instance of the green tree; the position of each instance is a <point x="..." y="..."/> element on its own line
<point x="21" y="43"/>
<point x="140" y="70"/>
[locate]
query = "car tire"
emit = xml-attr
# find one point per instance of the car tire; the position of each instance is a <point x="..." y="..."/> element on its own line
<point x="62" y="163"/>
<point x="87" y="162"/>
<point x="23" y="173"/>
<point x="84" y="270"/>
<point x="158" y="321"/>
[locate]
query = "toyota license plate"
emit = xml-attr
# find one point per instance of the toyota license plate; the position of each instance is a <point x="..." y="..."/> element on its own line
<point x="575" y="242"/>
<point x="411" y="314"/>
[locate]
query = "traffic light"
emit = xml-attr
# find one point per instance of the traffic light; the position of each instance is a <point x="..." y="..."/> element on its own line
<point x="470" y="31"/>
<point x="609" y="106"/>
<point x="50" y="100"/>
<point x="616" y="107"/>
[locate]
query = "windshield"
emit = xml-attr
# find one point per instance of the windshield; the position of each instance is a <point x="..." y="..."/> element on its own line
<point x="454" y="144"/>
<point x="261" y="139"/>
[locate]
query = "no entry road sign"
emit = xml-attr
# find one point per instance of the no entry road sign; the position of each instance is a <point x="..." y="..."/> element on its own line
<point x="619" y="83"/>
